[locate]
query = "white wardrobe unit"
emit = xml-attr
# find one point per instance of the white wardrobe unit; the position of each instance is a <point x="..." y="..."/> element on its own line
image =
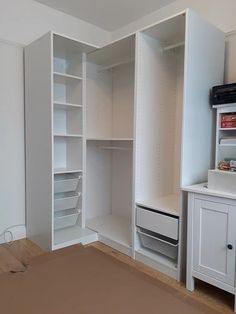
<point x="55" y="142"/>
<point x="109" y="133"/>
<point x="178" y="61"/>
<point x="112" y="134"/>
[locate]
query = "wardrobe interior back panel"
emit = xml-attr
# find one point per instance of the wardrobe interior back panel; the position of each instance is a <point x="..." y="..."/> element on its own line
<point x="98" y="181"/>
<point x="99" y="102"/>
<point x="123" y="100"/>
<point x="109" y="180"/>
<point x="159" y="112"/>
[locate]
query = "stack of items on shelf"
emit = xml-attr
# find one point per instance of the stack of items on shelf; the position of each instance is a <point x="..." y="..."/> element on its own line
<point x="228" y="122"/>
<point x="227" y="165"/>
<point x="66" y="199"/>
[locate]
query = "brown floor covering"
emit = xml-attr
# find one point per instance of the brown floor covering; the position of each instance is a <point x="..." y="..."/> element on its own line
<point x="19" y="253"/>
<point x="86" y="280"/>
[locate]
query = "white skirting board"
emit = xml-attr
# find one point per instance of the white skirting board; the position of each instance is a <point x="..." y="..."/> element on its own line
<point x="18" y="232"/>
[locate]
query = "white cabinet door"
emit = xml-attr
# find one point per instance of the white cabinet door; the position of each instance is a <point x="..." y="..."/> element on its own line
<point x="214" y="240"/>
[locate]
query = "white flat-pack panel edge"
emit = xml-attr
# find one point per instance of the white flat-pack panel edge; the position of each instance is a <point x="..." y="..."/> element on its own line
<point x="39" y="139"/>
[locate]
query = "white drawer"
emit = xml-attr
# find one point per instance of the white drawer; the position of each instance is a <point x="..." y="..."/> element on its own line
<point x="65" y="185"/>
<point x="159" y="223"/>
<point x="66" y="182"/>
<point x="153" y="242"/>
<point x="65" y="220"/>
<point x="68" y="201"/>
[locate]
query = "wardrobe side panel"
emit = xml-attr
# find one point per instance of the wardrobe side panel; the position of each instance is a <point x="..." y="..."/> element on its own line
<point x="39" y="141"/>
<point x="178" y="120"/>
<point x="204" y="68"/>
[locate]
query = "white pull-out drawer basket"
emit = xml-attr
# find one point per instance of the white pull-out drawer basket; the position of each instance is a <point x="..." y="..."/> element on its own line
<point x="154" y="242"/>
<point x="61" y="186"/>
<point x="66" y="201"/>
<point x="165" y="225"/>
<point x="66" y="182"/>
<point x="64" y="220"/>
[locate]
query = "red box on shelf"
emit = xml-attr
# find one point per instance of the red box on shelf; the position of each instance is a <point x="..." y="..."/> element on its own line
<point x="228" y="120"/>
<point x="228" y="124"/>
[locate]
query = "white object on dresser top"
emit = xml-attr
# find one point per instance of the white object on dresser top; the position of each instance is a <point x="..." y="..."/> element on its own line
<point x="222" y="181"/>
<point x="203" y="189"/>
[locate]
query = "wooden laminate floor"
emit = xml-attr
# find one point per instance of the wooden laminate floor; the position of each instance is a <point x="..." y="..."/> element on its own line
<point x="16" y="256"/>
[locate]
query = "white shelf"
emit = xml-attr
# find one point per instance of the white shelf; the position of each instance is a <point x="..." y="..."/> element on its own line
<point x="115" y="228"/>
<point x="169" y="204"/>
<point x="109" y="139"/>
<point x="73" y="235"/>
<point x="227" y="129"/>
<point x="66" y="105"/>
<point x="64" y="75"/>
<point x="227" y="145"/>
<point x="68" y="135"/>
<point x="224" y="105"/>
<point x="63" y="170"/>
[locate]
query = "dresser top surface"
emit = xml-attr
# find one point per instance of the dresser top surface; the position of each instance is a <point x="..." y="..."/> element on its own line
<point x="203" y="189"/>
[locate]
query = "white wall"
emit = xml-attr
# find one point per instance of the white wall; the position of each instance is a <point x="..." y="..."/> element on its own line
<point x="23" y="21"/>
<point x="219" y="12"/>
<point x="230" y="60"/>
<point x="12" y="162"/>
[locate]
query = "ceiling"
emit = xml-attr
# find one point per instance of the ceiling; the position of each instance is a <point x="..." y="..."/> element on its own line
<point x="107" y="14"/>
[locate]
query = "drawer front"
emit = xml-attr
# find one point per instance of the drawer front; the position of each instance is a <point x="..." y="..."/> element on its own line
<point x="65" y="221"/>
<point x="151" y="241"/>
<point x="159" y="223"/>
<point x="65" y="203"/>
<point x="65" y="185"/>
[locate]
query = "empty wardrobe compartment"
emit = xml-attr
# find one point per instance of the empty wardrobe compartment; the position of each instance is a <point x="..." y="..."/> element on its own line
<point x="110" y="91"/>
<point x="159" y="115"/>
<point x="109" y="127"/>
<point x="109" y="190"/>
<point x="67" y="120"/>
<point x="67" y="57"/>
<point x="158" y="143"/>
